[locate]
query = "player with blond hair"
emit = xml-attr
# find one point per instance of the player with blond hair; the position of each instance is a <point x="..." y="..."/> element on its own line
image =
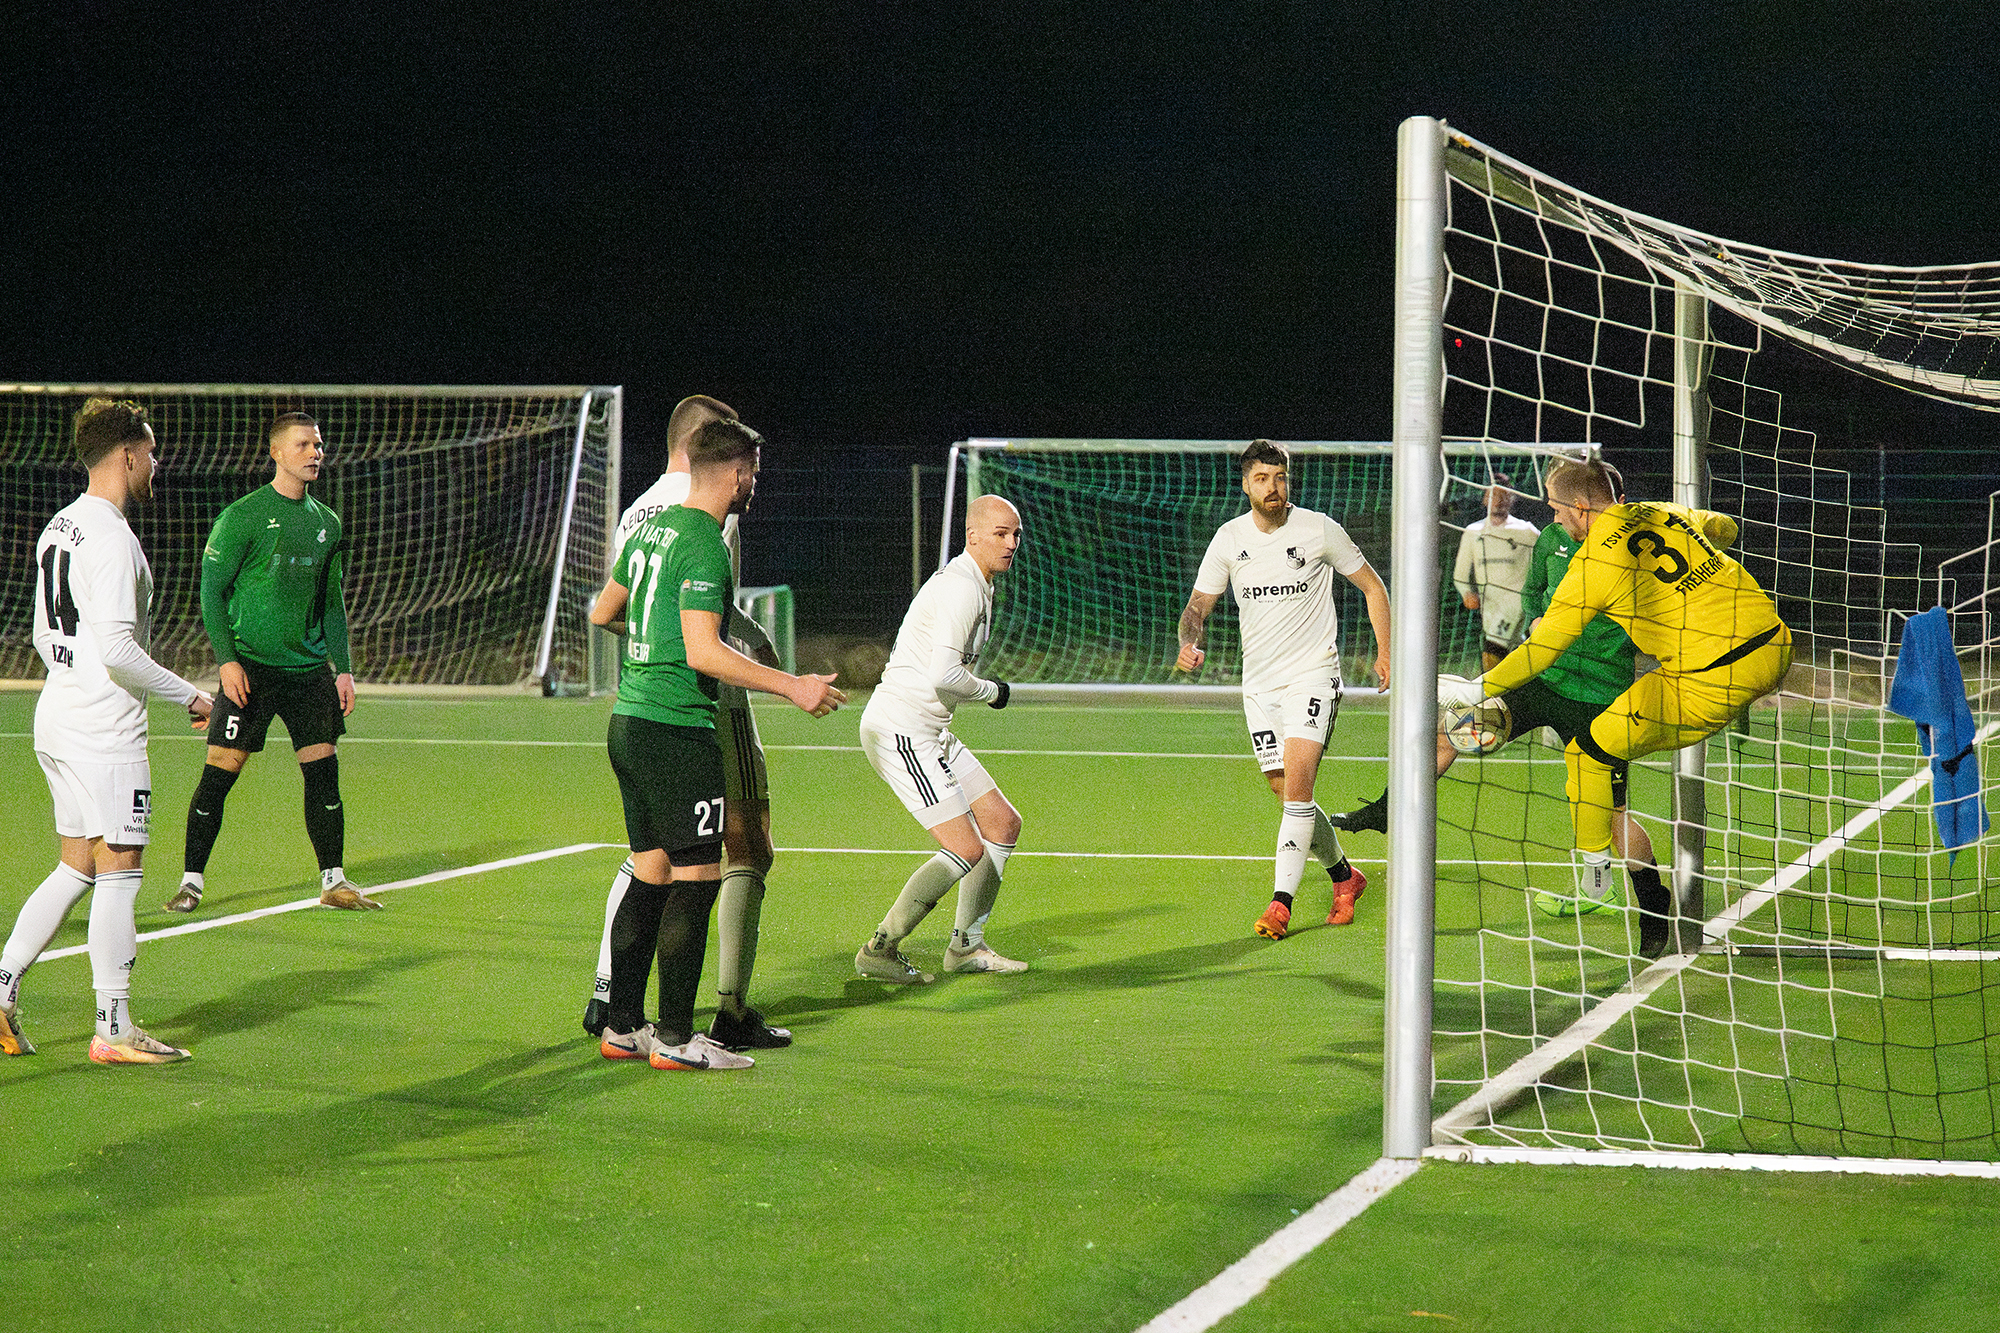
<point x="1662" y="573"/>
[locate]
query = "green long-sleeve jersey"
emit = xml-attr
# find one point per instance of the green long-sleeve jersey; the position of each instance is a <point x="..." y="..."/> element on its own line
<point x="271" y="583"/>
<point x="1597" y="668"/>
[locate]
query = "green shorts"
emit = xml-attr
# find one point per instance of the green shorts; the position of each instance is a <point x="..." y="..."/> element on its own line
<point x="670" y="779"/>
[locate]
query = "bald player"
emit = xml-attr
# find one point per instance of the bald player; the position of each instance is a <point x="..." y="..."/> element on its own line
<point x="906" y="733"/>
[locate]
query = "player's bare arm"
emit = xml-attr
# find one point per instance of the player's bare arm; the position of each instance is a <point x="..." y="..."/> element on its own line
<point x="608" y="612"/>
<point x="343" y="687"/>
<point x="1193" y="626"/>
<point x="1376" y="594"/>
<point x="701" y="633"/>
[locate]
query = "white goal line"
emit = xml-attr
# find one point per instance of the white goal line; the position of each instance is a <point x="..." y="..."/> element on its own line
<point x="1715" y="1161"/>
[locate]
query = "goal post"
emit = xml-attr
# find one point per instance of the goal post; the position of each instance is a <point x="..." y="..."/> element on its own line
<point x="1832" y="991"/>
<point x="477" y="518"/>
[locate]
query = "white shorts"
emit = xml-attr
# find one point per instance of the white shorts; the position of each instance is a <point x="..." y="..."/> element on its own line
<point x="1302" y="710"/>
<point x="109" y="801"/>
<point x="743" y="775"/>
<point x="936" y="778"/>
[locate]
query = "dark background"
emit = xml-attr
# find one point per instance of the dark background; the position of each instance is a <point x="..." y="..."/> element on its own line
<point x="879" y="228"/>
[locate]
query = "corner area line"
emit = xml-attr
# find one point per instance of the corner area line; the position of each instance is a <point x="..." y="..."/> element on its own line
<point x="1240" y="1283"/>
<point x="435" y="877"/>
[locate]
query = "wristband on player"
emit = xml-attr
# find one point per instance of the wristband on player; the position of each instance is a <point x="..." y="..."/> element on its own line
<point x="999" y="700"/>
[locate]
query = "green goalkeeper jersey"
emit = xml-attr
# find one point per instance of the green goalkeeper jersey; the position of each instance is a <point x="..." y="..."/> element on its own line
<point x="1597" y="668"/>
<point x="673" y="562"/>
<point x="271" y="584"/>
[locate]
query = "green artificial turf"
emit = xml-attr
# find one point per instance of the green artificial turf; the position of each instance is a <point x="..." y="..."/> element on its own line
<point x="393" y="1119"/>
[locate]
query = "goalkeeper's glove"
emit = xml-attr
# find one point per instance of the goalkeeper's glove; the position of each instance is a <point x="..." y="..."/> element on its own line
<point x="1456" y="693"/>
<point x="999" y="700"/>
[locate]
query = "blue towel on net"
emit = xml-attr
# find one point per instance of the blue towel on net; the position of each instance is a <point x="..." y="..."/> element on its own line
<point x="1929" y="689"/>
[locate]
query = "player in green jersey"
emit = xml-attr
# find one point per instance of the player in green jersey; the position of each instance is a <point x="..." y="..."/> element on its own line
<point x="1567" y="697"/>
<point x="670" y="595"/>
<point x="272" y="604"/>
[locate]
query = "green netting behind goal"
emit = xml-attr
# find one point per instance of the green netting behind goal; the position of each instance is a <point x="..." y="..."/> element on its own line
<point x="458" y="505"/>
<point x="1113" y="532"/>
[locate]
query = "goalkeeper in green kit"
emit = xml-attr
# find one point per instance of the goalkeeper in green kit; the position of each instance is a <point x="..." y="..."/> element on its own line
<point x="1567" y="697"/>
<point x="272" y="605"/>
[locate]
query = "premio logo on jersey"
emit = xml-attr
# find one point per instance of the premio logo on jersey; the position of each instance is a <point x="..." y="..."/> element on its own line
<point x="1259" y="592"/>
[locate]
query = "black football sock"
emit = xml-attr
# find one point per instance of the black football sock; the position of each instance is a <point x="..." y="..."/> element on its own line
<point x="635" y="927"/>
<point x="682" y="942"/>
<point x="326" y="820"/>
<point x="204" y="821"/>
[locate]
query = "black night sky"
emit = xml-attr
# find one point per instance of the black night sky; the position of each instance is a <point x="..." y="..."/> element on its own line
<point x="886" y="226"/>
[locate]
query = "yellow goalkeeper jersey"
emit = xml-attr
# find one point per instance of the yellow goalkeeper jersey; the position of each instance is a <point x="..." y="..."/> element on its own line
<point x="1660" y="572"/>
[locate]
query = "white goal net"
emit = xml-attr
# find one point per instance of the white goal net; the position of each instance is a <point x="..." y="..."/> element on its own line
<point x="1836" y="988"/>
<point x="475" y="518"/>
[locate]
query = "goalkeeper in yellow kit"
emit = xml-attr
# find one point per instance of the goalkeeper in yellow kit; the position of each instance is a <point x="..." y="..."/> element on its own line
<point x="1660" y="571"/>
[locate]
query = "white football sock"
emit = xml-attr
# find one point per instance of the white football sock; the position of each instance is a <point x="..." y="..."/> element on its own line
<point x="619" y="883"/>
<point x="114" y="948"/>
<point x="739" y="908"/>
<point x="977" y="893"/>
<point x="114" y="1015"/>
<point x="1295" y="835"/>
<point x="41" y="917"/>
<point x="932" y="880"/>
<point x="1595" y="880"/>
<point x="1326" y="843"/>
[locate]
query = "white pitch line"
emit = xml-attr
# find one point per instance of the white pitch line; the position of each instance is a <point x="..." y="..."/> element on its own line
<point x="1079" y="856"/>
<point x="437" y="876"/>
<point x="1240" y="1283"/>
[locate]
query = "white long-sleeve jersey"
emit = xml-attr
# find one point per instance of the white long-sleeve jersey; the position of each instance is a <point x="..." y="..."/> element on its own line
<point x="93" y="629"/>
<point x="930" y="670"/>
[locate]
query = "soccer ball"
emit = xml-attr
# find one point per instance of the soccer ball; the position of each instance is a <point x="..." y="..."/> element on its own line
<point x="1479" y="728"/>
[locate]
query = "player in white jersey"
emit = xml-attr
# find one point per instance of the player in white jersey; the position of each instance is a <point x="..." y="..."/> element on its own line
<point x="1494" y="555"/>
<point x="746" y="834"/>
<point x="905" y="731"/>
<point x="1281" y="561"/>
<point x="93" y="625"/>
